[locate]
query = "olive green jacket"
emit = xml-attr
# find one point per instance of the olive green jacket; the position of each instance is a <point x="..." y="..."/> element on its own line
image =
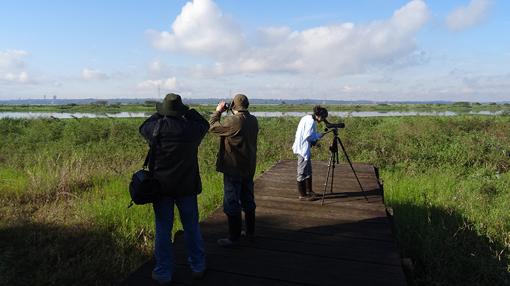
<point x="237" y="155"/>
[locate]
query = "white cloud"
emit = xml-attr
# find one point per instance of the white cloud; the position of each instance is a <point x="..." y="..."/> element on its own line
<point x="12" y="59"/>
<point x="21" y="77"/>
<point x="338" y="49"/>
<point x="165" y="84"/>
<point x="201" y="28"/>
<point x="159" y="69"/>
<point x="467" y="16"/>
<point x="487" y="84"/>
<point x="13" y="67"/>
<point x="91" y="74"/>
<point x="156" y="66"/>
<point x="348" y="88"/>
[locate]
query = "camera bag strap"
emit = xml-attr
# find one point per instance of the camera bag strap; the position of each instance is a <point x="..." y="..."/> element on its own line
<point x="149" y="159"/>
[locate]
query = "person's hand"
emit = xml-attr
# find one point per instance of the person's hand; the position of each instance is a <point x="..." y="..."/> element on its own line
<point x="221" y="106"/>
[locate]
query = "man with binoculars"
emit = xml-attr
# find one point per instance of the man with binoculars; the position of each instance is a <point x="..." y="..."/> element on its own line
<point x="237" y="161"/>
<point x="306" y="137"/>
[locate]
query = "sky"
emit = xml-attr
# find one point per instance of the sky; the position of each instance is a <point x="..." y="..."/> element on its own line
<point x="382" y="50"/>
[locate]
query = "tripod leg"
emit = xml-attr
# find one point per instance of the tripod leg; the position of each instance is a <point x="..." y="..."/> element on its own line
<point x="332" y="172"/>
<point x="327" y="178"/>
<point x="352" y="168"/>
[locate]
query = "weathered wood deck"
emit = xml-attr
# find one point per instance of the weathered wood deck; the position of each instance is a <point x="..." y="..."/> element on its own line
<point x="347" y="241"/>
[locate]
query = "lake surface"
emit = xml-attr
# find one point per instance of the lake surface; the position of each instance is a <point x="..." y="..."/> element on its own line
<point x="66" y="115"/>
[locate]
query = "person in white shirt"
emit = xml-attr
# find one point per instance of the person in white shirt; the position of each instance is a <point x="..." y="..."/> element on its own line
<point x="306" y="137"/>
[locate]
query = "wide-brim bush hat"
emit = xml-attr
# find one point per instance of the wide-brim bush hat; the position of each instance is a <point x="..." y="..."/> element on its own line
<point x="240" y="102"/>
<point x="172" y="106"/>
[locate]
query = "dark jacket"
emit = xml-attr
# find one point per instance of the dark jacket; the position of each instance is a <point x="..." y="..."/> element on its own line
<point x="175" y="156"/>
<point x="238" y="143"/>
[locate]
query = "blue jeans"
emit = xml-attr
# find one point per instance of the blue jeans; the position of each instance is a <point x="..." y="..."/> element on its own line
<point x="163" y="248"/>
<point x="238" y="195"/>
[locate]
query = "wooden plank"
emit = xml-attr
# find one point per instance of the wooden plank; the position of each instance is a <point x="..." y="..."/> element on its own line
<point x="221" y="277"/>
<point x="322" y="169"/>
<point x="274" y="189"/>
<point x="342" y="175"/>
<point x="361" y="250"/>
<point x="296" y="268"/>
<point x="346" y="241"/>
<point x="342" y="215"/>
<point x="292" y="165"/>
<point x="182" y="276"/>
<point x="366" y="229"/>
<point x="363" y="229"/>
<point x="142" y="275"/>
<point x="322" y="172"/>
<point x="348" y="185"/>
<point x="352" y="197"/>
<point x="372" y="208"/>
<point x="320" y="178"/>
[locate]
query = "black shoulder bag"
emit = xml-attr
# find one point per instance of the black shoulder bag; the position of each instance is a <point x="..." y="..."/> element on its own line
<point x="144" y="188"/>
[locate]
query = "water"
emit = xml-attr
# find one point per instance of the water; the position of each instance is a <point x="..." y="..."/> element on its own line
<point x="356" y="113"/>
<point x="66" y="115"/>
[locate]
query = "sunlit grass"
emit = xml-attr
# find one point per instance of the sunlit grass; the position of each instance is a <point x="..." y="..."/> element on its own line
<point x="66" y="181"/>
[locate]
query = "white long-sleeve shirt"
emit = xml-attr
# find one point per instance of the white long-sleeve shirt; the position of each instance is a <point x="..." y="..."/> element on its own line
<point x="305" y="134"/>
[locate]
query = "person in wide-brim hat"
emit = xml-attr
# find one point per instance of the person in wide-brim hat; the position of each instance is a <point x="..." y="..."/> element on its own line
<point x="171" y="106"/>
<point x="174" y="134"/>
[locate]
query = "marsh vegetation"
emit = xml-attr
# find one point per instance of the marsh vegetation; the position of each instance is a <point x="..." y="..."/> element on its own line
<point x="283" y="106"/>
<point x="63" y="194"/>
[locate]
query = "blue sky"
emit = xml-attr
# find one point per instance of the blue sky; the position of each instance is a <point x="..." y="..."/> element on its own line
<point x="367" y="49"/>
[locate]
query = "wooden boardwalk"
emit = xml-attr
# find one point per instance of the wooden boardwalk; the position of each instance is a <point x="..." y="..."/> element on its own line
<point x="347" y="241"/>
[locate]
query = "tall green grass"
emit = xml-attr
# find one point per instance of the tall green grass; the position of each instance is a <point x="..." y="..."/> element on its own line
<point x="63" y="197"/>
<point x="460" y="107"/>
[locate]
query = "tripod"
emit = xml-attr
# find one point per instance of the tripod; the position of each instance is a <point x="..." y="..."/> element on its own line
<point x="333" y="160"/>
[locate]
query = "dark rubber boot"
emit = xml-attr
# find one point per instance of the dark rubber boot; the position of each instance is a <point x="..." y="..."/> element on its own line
<point x="234" y="230"/>
<point x="249" y="218"/>
<point x="301" y="187"/>
<point x="302" y="191"/>
<point x="309" y="190"/>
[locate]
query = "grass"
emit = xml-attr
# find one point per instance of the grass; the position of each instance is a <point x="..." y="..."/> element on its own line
<point x="63" y="194"/>
<point x="456" y="232"/>
<point x="459" y="107"/>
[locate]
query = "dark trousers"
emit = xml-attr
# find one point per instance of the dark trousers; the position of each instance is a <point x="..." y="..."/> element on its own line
<point x="238" y="195"/>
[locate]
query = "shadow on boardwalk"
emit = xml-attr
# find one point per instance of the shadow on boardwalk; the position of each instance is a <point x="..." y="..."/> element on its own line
<point x="279" y="256"/>
<point x="444" y="250"/>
